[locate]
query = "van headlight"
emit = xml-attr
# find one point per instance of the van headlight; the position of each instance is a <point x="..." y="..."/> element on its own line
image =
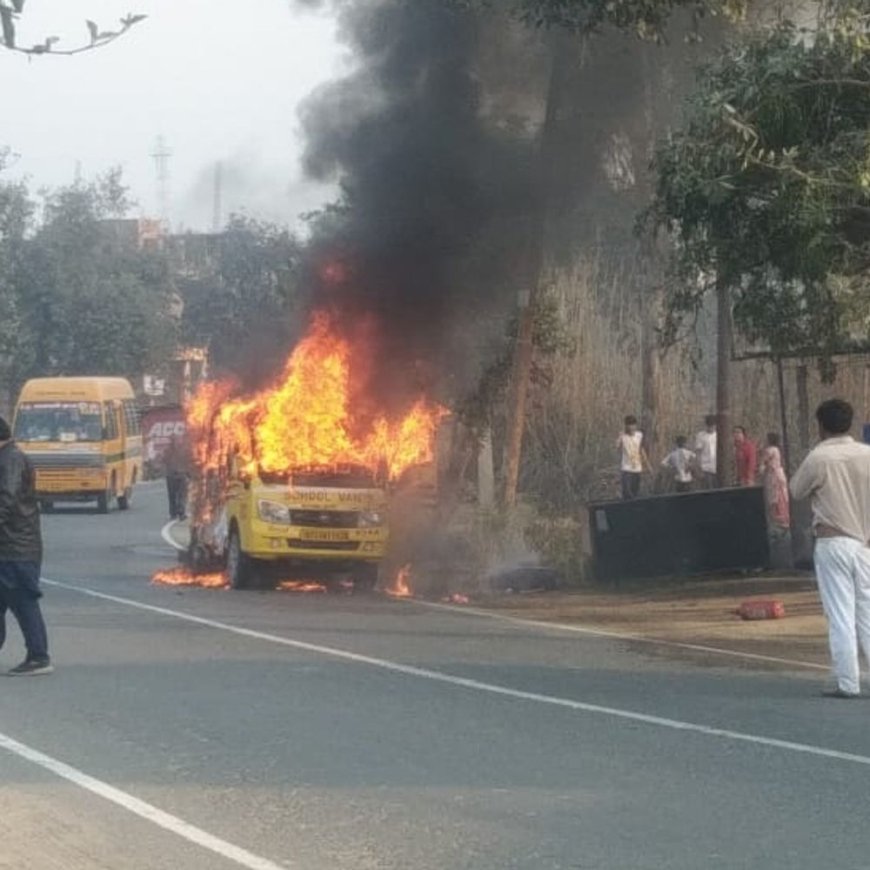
<point x="368" y="519"/>
<point x="273" y="512"/>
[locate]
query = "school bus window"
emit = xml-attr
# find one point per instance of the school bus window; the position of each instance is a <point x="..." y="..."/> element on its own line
<point x="131" y="418"/>
<point x="111" y="422"/>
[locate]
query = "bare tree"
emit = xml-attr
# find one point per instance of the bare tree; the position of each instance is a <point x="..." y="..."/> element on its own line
<point x="97" y="37"/>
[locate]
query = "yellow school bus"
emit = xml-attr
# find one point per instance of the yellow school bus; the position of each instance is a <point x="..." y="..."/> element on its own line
<point x="83" y="437"/>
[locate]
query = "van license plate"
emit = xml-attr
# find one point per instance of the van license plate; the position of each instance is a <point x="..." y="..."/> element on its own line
<point x="311" y="535"/>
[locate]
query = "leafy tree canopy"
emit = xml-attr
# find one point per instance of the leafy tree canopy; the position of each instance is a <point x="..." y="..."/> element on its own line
<point x="647" y="17"/>
<point x="243" y="295"/>
<point x="74" y="299"/>
<point x="766" y="186"/>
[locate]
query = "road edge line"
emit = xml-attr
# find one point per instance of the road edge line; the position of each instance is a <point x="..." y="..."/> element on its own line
<point x="166" y="534"/>
<point x="519" y="621"/>
<point x="475" y="685"/>
<point x="139" y="807"/>
<point x="613" y="635"/>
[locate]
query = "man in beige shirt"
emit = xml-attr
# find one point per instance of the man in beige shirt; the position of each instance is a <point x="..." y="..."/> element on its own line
<point x="836" y="476"/>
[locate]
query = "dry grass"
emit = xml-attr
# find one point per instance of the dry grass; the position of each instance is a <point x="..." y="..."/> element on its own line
<point x="570" y="456"/>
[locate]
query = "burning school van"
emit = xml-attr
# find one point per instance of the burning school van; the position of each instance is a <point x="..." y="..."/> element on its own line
<point x="295" y="475"/>
<point x="310" y="524"/>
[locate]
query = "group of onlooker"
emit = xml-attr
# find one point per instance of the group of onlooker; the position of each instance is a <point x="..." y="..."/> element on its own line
<point x="834" y="478"/>
<point x="696" y="467"/>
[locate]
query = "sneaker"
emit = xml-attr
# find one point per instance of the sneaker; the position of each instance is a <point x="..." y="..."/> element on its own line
<point x="839" y="693"/>
<point x="31" y="668"/>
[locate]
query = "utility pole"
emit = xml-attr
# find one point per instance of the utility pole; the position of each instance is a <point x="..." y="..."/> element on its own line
<point x="803" y="400"/>
<point x="161" y="155"/>
<point x="217" y="209"/>
<point x="783" y="417"/>
<point x="534" y="270"/>
<point x="724" y="458"/>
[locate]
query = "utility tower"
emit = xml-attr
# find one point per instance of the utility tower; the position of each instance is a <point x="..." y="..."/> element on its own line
<point x="217" y="211"/>
<point x="161" y="155"/>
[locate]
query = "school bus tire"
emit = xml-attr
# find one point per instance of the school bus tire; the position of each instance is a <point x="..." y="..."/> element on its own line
<point x="104" y="499"/>
<point x="125" y="499"/>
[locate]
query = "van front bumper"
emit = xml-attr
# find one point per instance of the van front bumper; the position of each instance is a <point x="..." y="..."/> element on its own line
<point x="268" y="541"/>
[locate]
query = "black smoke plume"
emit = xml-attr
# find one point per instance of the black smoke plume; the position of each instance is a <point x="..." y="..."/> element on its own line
<point x="423" y="243"/>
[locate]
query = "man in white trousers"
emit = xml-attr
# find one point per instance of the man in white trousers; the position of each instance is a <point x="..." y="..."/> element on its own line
<point x="836" y="476"/>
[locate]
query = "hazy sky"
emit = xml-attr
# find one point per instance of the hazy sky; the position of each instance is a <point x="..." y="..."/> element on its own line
<point x="220" y="80"/>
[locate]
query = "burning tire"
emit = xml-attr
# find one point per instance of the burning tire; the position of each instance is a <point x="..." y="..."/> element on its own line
<point x="365" y="578"/>
<point x="241" y="568"/>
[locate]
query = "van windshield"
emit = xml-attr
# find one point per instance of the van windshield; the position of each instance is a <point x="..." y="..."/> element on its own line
<point x="349" y="476"/>
<point x="67" y="422"/>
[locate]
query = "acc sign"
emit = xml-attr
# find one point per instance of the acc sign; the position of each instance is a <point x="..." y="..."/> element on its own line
<point x="166" y="429"/>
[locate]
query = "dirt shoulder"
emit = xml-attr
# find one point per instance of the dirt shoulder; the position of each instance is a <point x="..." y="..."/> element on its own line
<point x="696" y="612"/>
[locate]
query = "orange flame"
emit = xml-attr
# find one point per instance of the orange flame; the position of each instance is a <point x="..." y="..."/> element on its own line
<point x="401" y="587"/>
<point x="305" y="419"/>
<point x="183" y="577"/>
<point x="302" y="586"/>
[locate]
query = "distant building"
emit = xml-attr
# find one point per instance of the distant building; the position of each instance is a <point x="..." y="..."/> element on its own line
<point x="139" y="234"/>
<point x="194" y="255"/>
<point x="181" y="376"/>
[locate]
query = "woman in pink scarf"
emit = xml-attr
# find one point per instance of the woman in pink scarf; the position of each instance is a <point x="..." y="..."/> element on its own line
<point x="775" y="485"/>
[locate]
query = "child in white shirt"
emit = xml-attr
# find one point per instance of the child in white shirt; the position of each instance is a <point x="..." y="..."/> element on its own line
<point x="680" y="460"/>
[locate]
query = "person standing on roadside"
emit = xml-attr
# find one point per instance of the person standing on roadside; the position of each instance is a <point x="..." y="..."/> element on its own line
<point x="745" y="457"/>
<point x="176" y="463"/>
<point x="836" y="476"/>
<point x="775" y="485"/>
<point x="632" y="459"/>
<point x="680" y="461"/>
<point x="21" y="555"/>
<point x="705" y="449"/>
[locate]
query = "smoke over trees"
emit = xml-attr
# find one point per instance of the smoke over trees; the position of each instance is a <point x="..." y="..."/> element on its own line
<point x="446" y="212"/>
<point x="435" y="189"/>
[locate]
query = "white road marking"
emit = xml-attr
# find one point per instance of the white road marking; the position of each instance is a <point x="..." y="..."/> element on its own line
<point x="166" y="534"/>
<point x="477" y="685"/>
<point x="519" y="621"/>
<point x="614" y="635"/>
<point x="140" y="808"/>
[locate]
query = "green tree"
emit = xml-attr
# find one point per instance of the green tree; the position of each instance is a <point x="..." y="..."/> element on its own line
<point x="16" y="341"/>
<point x="240" y="299"/>
<point x="569" y="19"/>
<point x="648" y="18"/>
<point x="766" y="187"/>
<point x="91" y="302"/>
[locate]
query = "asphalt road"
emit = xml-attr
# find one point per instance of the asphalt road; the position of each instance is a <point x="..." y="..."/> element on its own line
<point x="212" y="729"/>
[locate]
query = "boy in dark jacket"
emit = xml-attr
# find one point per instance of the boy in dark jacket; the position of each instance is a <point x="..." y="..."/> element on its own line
<point x="21" y="555"/>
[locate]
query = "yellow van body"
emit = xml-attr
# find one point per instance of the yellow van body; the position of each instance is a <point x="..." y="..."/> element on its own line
<point x="83" y="437"/>
<point x="320" y="528"/>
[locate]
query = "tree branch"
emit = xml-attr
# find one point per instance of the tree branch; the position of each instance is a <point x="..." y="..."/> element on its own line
<point x="98" y="40"/>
